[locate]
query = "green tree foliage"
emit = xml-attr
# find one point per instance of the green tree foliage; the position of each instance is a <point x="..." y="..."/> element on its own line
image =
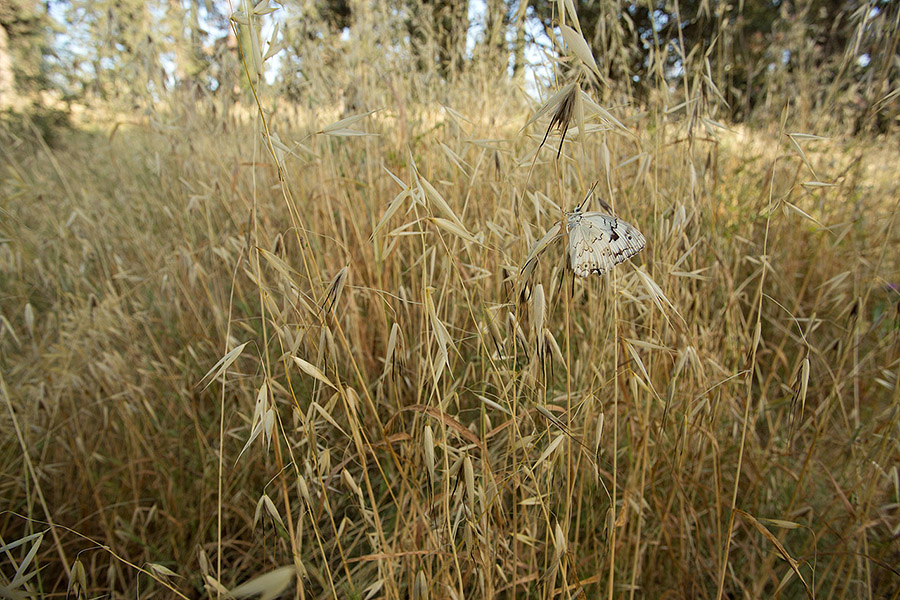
<point x="748" y="57"/>
<point x="26" y="67"/>
<point x="746" y="44"/>
<point x="132" y="49"/>
<point x="447" y="22"/>
<point x="27" y="28"/>
<point x="436" y="29"/>
<point x="112" y="43"/>
<point x="337" y="13"/>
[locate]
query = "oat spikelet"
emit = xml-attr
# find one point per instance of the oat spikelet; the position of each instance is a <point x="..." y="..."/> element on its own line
<point x="562" y="117"/>
<point x="420" y="588"/>
<point x="469" y="473"/>
<point x="429" y="453"/>
<point x="538" y="305"/>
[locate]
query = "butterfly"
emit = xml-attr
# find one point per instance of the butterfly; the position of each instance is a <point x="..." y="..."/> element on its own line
<point x="598" y="242"/>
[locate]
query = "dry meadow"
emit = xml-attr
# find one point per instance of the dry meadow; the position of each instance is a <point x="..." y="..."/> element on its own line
<point x="324" y="348"/>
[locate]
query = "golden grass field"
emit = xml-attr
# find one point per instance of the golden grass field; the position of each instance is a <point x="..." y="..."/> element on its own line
<point x="410" y="415"/>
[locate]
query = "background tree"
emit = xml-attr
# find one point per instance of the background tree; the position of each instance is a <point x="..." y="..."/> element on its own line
<point x="7" y="78"/>
<point x="756" y="53"/>
<point x="25" y="42"/>
<point x="744" y="42"/>
<point x="437" y="29"/>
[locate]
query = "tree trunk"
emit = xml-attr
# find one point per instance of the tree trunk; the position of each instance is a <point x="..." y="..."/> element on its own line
<point x="495" y="36"/>
<point x="519" y="49"/>
<point x="7" y="77"/>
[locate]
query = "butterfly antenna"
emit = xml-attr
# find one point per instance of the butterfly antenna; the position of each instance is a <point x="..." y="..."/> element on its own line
<point x="587" y="197"/>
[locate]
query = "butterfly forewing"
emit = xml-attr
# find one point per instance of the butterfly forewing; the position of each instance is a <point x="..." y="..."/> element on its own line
<point x="598" y="242"/>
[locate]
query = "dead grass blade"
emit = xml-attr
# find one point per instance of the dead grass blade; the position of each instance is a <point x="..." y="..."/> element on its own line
<point x="579" y="46"/>
<point x="455" y="229"/>
<point x="537" y="249"/>
<point x="313" y="371"/>
<point x="220" y="367"/>
<point x="267" y="586"/>
<point x="447" y="420"/>
<point x="656" y="294"/>
<point x="428" y="191"/>
<point x="795" y="566"/>
<point x="342" y="127"/>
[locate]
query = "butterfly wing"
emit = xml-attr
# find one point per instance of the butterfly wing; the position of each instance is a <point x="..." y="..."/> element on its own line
<point x="598" y="242"/>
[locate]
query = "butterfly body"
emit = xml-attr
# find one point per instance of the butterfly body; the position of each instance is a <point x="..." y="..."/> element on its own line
<point x="598" y="242"/>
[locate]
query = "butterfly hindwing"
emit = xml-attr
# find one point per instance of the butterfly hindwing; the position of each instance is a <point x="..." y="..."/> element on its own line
<point x="598" y="242"/>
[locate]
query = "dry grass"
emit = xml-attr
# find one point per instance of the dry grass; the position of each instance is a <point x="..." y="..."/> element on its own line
<point x="449" y="430"/>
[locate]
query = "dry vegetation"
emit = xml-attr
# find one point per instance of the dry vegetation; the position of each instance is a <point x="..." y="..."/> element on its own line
<point x="716" y="418"/>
